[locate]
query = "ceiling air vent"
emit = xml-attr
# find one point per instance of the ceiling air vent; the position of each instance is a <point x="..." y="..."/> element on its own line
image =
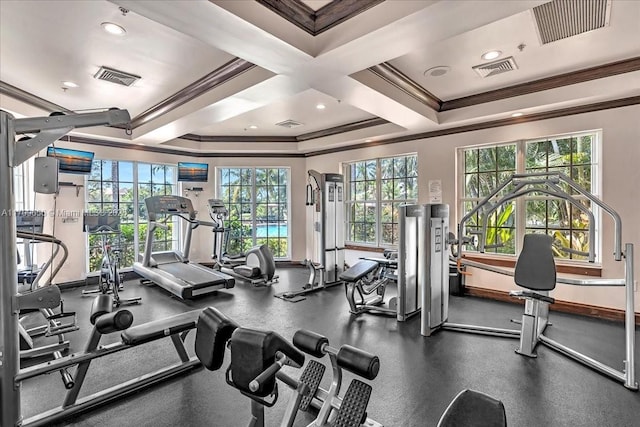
<point x="560" y="19"/>
<point x="496" y="67"/>
<point x="116" y="76"/>
<point x="289" y="124"/>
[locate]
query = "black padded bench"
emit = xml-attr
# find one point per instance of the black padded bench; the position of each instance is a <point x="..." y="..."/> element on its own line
<point x="387" y="262"/>
<point x="156" y="329"/>
<point x="358" y="271"/>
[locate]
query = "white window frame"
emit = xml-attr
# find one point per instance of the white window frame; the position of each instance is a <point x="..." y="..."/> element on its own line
<point x="348" y="201"/>
<point x="520" y="221"/>
<point x="218" y="178"/>
<point x="137" y="238"/>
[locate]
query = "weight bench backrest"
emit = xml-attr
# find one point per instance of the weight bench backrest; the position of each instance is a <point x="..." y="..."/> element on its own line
<point x="536" y="268"/>
<point x="212" y="333"/>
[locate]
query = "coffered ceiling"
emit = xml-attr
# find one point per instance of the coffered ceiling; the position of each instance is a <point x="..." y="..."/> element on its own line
<point x="222" y="77"/>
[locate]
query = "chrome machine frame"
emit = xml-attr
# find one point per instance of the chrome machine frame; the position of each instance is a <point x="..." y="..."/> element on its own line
<point x="519" y="185"/>
<point x="327" y="263"/>
<point x="12" y="154"/>
<point x="328" y="223"/>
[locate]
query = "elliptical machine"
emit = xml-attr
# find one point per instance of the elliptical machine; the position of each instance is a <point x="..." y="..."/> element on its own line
<point x="256" y="266"/>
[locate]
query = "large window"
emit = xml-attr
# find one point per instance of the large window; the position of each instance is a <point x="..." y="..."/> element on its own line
<point x="23" y="201"/>
<point x="20" y="187"/>
<point x="375" y="189"/>
<point x="258" y="203"/>
<point x="485" y="167"/>
<point x="121" y="187"/>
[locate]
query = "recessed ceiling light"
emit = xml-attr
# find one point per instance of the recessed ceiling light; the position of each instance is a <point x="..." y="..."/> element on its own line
<point x="438" y="71"/>
<point x="112" y="28"/>
<point x="69" y="84"/>
<point x="516" y="114"/>
<point x="253" y="127"/>
<point x="321" y="106"/>
<point x="492" y="54"/>
<point x="368" y="140"/>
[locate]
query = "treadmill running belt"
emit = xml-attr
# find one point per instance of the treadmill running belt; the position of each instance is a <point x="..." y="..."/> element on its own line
<point x="195" y="276"/>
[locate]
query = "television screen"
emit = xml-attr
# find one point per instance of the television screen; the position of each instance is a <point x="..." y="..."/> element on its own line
<point x="72" y="161"/>
<point x="198" y="172"/>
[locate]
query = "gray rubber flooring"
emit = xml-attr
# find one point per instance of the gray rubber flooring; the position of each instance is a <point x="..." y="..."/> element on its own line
<point x="418" y="376"/>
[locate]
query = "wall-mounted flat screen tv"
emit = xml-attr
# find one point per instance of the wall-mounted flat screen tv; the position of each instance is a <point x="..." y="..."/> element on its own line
<point x="193" y="172"/>
<point x="72" y="161"/>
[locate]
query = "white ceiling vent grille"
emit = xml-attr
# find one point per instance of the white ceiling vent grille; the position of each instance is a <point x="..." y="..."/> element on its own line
<point x="289" y="124"/>
<point x="496" y="67"/>
<point x="115" y="76"/>
<point x="560" y="19"/>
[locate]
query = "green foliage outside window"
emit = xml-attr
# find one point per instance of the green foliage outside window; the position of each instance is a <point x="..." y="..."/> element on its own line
<point x="375" y="190"/>
<point x="121" y="187"/>
<point x="486" y="167"/>
<point x="257" y="199"/>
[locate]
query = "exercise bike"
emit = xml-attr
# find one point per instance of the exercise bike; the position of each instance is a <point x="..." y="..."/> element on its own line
<point x="109" y="281"/>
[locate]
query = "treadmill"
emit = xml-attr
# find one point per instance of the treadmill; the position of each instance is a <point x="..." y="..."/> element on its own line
<point x="172" y="270"/>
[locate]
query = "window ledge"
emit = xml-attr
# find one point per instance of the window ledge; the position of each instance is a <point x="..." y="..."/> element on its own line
<point x="579" y="269"/>
<point x="353" y="247"/>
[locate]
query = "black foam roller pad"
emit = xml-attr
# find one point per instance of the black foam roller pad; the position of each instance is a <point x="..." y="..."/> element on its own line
<point x="112" y="322"/>
<point x="102" y="304"/>
<point x="358" y="361"/>
<point x="310" y="342"/>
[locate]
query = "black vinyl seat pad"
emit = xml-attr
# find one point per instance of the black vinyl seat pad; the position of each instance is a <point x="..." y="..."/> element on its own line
<point x="358" y="271"/>
<point x="156" y="329"/>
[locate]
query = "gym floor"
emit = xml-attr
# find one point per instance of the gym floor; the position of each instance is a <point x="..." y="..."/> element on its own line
<point x="418" y="376"/>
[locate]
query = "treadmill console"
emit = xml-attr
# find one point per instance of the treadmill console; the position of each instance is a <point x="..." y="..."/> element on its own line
<point x="216" y="206"/>
<point x="162" y="205"/>
<point x="30" y="221"/>
<point x="100" y="222"/>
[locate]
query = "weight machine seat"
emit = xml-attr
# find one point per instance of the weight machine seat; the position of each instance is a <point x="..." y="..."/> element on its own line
<point x="213" y="331"/>
<point x="536" y="268"/>
<point x="358" y="271"/>
<point x="532" y="295"/>
<point x="151" y="331"/>
<point x="474" y="409"/>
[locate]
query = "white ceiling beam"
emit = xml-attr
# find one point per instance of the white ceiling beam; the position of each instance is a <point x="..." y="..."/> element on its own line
<point x="329" y="71"/>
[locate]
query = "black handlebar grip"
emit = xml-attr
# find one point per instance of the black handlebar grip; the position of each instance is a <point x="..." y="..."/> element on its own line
<point x="265" y="376"/>
<point x="102" y="304"/>
<point x="358" y="361"/>
<point x="310" y="342"/>
<point x="112" y="322"/>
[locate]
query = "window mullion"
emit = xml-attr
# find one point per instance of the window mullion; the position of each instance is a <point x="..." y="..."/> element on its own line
<point x="136" y="205"/>
<point x="378" y="203"/>
<point x="521" y="202"/>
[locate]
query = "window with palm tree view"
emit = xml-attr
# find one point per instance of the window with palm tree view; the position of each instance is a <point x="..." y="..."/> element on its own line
<point x="485" y="167"/>
<point x="375" y="189"/>
<point x="258" y="204"/>
<point x="120" y="187"/>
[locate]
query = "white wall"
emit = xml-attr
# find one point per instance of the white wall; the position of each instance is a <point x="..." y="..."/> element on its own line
<point x="620" y="180"/>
